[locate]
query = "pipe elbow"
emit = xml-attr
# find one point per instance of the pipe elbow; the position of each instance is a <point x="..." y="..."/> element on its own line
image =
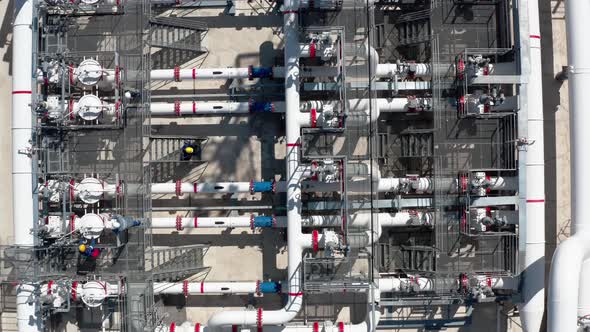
<point x="564" y="281"/>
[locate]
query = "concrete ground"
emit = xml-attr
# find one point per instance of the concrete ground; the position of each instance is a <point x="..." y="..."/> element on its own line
<point x="252" y="257"/>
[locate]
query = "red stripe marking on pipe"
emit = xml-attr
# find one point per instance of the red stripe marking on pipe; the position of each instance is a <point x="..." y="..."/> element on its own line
<point x="535" y="36"/>
<point x="202" y="287"/>
<point x="314" y="117"/>
<point x="234" y="328"/>
<point x="535" y="201"/>
<point x="22" y="92"/>
<point x="295" y="294"/>
<point x="195" y="221"/>
<point x="74" y="291"/>
<point x="314" y="240"/>
<point x="172" y="327"/>
<point x="198" y="327"/>
<point x="49" y="285"/>
<point x="312" y="50"/>
<point x="194" y="107"/>
<point x="293" y="144"/>
<point x="194" y="73"/>
<point x="316" y="327"/>
<point x="341" y="327"/>
<point x="195" y="187"/>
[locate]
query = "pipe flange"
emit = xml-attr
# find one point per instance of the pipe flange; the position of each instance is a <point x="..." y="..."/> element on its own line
<point x="257" y="291"/>
<point x="177" y="74"/>
<point x="118" y="105"/>
<point x="177" y="107"/>
<point x="314" y="240"/>
<point x="74" y="292"/>
<point x="178" y="188"/>
<point x="72" y="185"/>
<point x="179" y="223"/>
<point x="259" y="319"/>
<point x="49" y="285"/>
<point x="185" y="288"/>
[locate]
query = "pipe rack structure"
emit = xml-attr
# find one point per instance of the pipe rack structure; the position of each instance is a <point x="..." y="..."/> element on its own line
<point x="411" y="176"/>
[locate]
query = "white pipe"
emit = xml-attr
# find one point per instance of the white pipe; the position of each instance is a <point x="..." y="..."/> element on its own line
<point x="22" y="167"/>
<point x="357" y="220"/>
<point x="294" y="175"/>
<point x="225" y="107"/>
<point x="202" y="222"/>
<point x="534" y="259"/>
<point x="567" y="299"/>
<point x="195" y="288"/>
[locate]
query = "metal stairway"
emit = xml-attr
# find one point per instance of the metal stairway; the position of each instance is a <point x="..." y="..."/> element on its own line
<point x="416" y="143"/>
<point x="177" y="263"/>
<point x="414" y="28"/>
<point x="177" y="33"/>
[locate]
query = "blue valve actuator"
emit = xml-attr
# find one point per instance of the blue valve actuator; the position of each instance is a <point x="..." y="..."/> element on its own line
<point x="263" y="221"/>
<point x="259" y="72"/>
<point x="270" y="287"/>
<point x="262" y="187"/>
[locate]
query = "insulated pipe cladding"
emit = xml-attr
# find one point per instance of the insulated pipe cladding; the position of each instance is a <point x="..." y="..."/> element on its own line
<point x="568" y="305"/>
<point x="22" y="166"/>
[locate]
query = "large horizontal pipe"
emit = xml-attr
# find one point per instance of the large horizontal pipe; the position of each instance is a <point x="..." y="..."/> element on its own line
<point x="225" y="287"/>
<point x="186" y="108"/>
<point x="358" y="220"/>
<point x="407" y="284"/>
